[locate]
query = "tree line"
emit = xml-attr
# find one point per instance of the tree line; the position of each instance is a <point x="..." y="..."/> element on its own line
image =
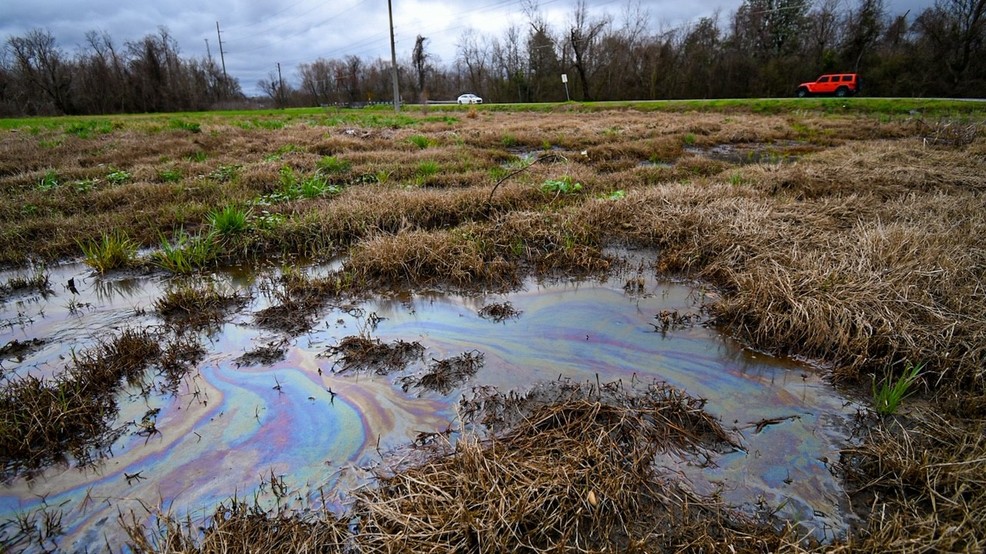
<point x="763" y="49"/>
<point x="37" y="77"/>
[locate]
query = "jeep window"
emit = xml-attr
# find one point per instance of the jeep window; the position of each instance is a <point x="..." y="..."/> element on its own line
<point x="847" y="77"/>
<point x="823" y="79"/>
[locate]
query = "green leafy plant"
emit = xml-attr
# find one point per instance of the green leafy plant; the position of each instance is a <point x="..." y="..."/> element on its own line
<point x="689" y="139"/>
<point x="269" y="221"/>
<point x="49" y="181"/>
<point x="172" y="175"/>
<point x="224" y="173"/>
<point x="84" y="185"/>
<point x="118" y="177"/>
<point x="198" y="156"/>
<point x="111" y="251"/>
<point x="563" y="185"/>
<point x="616" y="195"/>
<point x="229" y="220"/>
<point x="891" y="393"/>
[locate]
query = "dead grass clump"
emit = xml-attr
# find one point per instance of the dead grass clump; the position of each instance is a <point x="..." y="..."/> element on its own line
<point x="499" y="311"/>
<point x="364" y="353"/>
<point x="37" y="282"/>
<point x="43" y="420"/>
<point x="575" y="475"/>
<point x="921" y="485"/>
<point x="18" y="349"/>
<point x="445" y="374"/>
<point x="181" y="354"/>
<point x="297" y="297"/>
<point x="237" y="527"/>
<point x="884" y="169"/>
<point x="558" y="242"/>
<point x="197" y="304"/>
<point x="455" y="257"/>
<point x="267" y="354"/>
<point x="946" y="133"/>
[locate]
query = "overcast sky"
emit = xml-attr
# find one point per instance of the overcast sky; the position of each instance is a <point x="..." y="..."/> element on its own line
<point x="258" y="34"/>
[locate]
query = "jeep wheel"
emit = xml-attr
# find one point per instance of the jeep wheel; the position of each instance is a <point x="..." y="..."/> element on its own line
<point x="802" y="92"/>
<point x="842" y="92"/>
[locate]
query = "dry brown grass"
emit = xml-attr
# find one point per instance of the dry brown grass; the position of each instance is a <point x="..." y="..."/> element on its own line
<point x="237" y="527"/>
<point x="44" y="420"/>
<point x="574" y="474"/>
<point x="922" y="483"/>
<point x="862" y="250"/>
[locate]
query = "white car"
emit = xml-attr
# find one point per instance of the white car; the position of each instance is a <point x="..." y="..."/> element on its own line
<point x="470" y="98"/>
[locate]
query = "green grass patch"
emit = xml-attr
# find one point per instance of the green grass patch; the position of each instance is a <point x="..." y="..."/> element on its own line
<point x="83" y="186"/>
<point x="420" y="141"/>
<point x="229" y="220"/>
<point x="187" y="253"/>
<point x="113" y="250"/>
<point x="562" y="185"/>
<point x="888" y="396"/>
<point x="182" y="125"/>
<point x="317" y="185"/>
<point x="49" y="181"/>
<point x="170" y="175"/>
<point x="427" y="168"/>
<point x="332" y="164"/>
<point x="88" y="128"/>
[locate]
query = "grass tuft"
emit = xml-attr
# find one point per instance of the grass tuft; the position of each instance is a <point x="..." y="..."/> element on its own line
<point x="187" y="253"/>
<point x="229" y="220"/>
<point x="891" y="392"/>
<point x="332" y="164"/>
<point x="113" y="250"/>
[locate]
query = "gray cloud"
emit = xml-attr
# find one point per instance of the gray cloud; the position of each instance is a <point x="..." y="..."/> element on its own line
<point x="258" y="35"/>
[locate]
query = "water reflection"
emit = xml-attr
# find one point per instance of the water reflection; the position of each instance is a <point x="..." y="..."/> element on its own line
<point x="233" y="424"/>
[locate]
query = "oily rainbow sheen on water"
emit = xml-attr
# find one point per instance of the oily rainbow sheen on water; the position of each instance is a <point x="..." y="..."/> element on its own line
<point x="234" y="427"/>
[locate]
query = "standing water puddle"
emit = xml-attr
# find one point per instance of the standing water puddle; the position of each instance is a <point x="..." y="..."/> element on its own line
<point x="238" y="426"/>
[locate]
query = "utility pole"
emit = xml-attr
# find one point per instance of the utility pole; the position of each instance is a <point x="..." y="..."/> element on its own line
<point x="280" y="85"/>
<point x="208" y="52"/>
<point x="222" y="56"/>
<point x="393" y="58"/>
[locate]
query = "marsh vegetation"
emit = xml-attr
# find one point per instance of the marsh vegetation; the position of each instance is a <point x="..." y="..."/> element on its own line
<point x="852" y="238"/>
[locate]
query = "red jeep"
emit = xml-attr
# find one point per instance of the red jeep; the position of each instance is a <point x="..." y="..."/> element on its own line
<point x="839" y="84"/>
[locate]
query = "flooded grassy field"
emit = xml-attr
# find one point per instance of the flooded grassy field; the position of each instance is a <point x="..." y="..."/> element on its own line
<point x="575" y="329"/>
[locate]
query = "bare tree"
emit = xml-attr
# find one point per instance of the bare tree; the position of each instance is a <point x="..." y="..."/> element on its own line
<point x="582" y="37"/>
<point x="474" y="54"/>
<point x="41" y="64"/>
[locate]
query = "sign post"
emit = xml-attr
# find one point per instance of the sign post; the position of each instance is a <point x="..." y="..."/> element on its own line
<point x="564" y="80"/>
